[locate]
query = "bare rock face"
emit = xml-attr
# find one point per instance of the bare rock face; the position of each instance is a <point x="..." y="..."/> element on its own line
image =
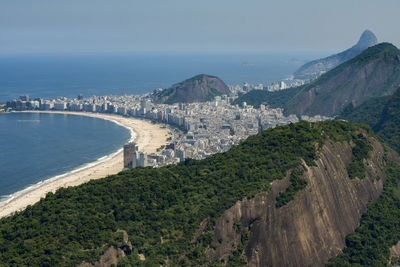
<point x="310" y="229"/>
<point x="395" y="255"/>
<point x="112" y="255"/>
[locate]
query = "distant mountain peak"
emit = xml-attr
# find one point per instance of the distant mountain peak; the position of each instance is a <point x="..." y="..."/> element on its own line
<point x="317" y="67"/>
<point x="367" y="39"/>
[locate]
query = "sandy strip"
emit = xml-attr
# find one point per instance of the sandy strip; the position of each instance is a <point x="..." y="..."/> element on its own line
<point x="149" y="137"/>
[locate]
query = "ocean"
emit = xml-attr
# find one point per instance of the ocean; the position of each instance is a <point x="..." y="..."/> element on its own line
<point x="50" y="76"/>
<point x="35" y="147"/>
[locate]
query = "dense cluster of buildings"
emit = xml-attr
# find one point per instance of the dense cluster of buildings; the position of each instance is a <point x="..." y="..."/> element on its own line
<point x="275" y="86"/>
<point x="198" y="129"/>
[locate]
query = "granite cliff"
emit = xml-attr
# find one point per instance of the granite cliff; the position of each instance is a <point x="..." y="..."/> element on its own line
<point x="310" y="229"/>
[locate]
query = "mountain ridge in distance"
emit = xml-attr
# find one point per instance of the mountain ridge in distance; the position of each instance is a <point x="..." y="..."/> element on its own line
<point x="317" y="67"/>
<point x="373" y="73"/>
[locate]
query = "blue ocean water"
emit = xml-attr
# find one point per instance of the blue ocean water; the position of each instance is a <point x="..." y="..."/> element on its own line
<point x="35" y="147"/>
<point x="102" y="74"/>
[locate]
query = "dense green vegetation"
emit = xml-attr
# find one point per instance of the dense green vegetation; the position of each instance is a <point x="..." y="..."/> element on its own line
<point x="379" y="228"/>
<point x="159" y="208"/>
<point x="296" y="184"/>
<point x="360" y="151"/>
<point x="275" y="99"/>
<point x="368" y="112"/>
<point x="381" y="114"/>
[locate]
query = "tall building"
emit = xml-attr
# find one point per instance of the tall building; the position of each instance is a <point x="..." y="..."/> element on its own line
<point x="135" y="159"/>
<point x="145" y="104"/>
<point x="129" y="149"/>
<point x="142" y="159"/>
<point x="180" y="153"/>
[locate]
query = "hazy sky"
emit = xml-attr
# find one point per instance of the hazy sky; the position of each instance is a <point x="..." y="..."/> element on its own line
<point x="54" y="26"/>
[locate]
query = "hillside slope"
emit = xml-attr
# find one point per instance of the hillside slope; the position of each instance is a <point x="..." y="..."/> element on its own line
<point x="317" y="67"/>
<point x="312" y="228"/>
<point x="276" y="99"/>
<point x="375" y="72"/>
<point x="382" y="114"/>
<point x="267" y="201"/>
<point x="199" y="88"/>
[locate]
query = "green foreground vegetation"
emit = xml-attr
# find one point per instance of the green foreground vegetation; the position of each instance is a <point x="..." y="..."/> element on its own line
<point x="161" y="208"/>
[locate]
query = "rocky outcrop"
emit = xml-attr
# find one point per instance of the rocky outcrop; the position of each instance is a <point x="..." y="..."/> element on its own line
<point x="310" y="229"/>
<point x="315" y="68"/>
<point x="395" y="255"/>
<point x="200" y="88"/>
<point x="113" y="255"/>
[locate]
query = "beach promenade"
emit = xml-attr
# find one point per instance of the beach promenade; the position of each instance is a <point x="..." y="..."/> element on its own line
<point x="146" y="135"/>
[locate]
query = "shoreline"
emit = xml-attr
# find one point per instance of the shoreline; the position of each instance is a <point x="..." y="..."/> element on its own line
<point x="146" y="135"/>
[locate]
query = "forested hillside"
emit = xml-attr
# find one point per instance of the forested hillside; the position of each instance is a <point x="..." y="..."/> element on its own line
<point x="382" y="114"/>
<point x="163" y="209"/>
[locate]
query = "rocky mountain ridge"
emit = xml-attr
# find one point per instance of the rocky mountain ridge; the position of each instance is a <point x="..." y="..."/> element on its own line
<point x="375" y="72"/>
<point x="312" y="228"/>
<point x="317" y="67"/>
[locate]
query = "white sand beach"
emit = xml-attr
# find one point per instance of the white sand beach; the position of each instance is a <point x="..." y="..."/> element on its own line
<point x="149" y="137"/>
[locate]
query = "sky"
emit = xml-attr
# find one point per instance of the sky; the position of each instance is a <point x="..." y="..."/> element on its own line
<point x="96" y="26"/>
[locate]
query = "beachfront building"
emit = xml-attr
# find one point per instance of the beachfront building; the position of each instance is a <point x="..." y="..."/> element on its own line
<point x="60" y="106"/>
<point x="129" y="150"/>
